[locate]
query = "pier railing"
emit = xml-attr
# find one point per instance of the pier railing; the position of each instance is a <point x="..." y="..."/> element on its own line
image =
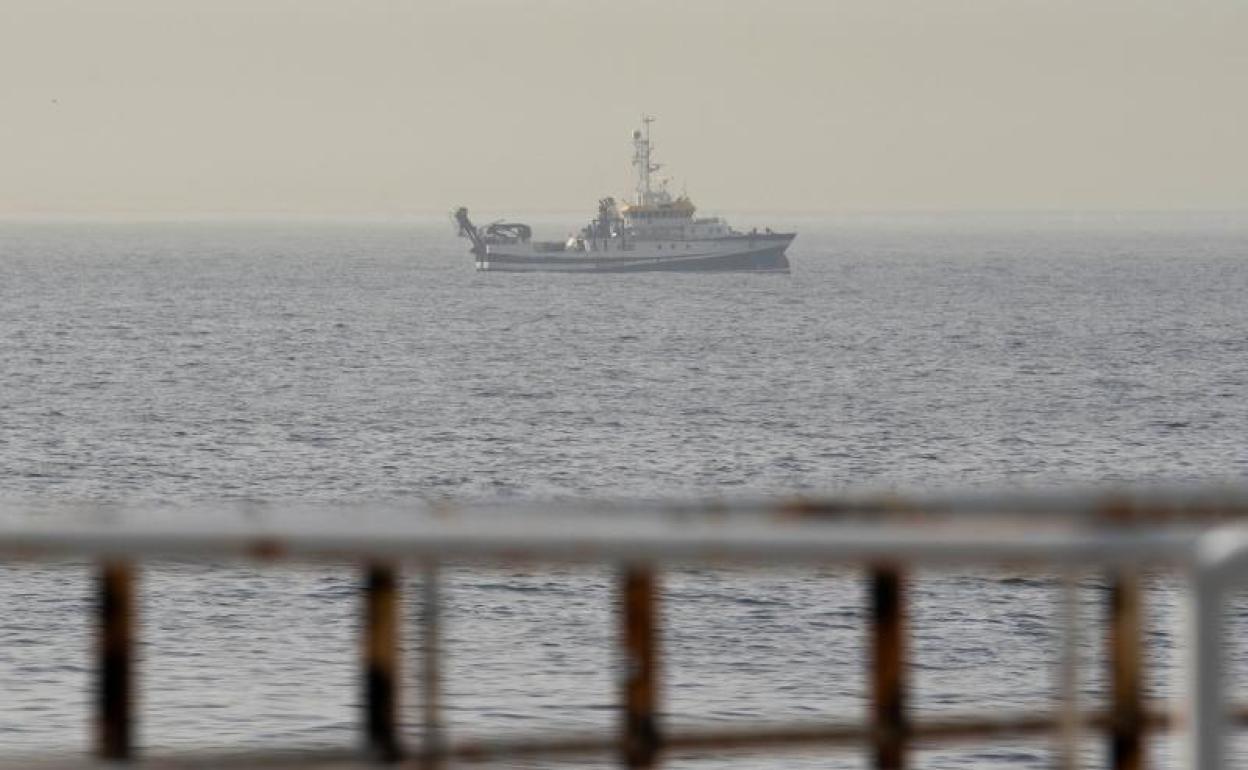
<point x="1201" y="534"/>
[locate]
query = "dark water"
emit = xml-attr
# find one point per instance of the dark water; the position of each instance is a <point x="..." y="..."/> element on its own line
<point x="363" y="361"/>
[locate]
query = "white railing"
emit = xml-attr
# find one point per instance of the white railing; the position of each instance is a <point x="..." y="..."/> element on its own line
<point x="1202" y="533"/>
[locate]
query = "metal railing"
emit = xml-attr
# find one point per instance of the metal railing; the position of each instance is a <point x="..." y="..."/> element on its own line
<point x="1201" y="533"/>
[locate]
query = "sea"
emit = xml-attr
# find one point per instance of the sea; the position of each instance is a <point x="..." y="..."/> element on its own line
<point x="180" y="363"/>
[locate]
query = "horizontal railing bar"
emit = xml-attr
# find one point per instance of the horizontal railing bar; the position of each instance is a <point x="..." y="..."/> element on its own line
<point x="942" y="730"/>
<point x="1139" y="503"/>
<point x="511" y="539"/>
<point x="953" y="729"/>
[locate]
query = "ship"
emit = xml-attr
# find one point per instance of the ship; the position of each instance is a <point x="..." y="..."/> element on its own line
<point x="655" y="232"/>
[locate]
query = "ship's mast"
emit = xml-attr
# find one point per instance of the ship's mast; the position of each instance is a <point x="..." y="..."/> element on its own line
<point x="641" y="159"/>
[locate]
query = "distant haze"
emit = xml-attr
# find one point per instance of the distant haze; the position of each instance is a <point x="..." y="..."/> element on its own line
<point x="309" y="107"/>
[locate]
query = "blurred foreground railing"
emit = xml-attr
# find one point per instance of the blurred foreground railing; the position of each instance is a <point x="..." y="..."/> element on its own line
<point x="1201" y="533"/>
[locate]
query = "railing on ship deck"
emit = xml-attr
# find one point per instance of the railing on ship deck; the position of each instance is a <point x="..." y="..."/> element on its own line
<point x="1203" y="533"/>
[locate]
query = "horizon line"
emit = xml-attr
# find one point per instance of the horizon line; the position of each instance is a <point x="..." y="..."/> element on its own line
<point x="208" y="215"/>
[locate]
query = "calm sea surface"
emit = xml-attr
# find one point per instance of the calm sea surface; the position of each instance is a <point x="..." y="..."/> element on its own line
<point x="193" y="362"/>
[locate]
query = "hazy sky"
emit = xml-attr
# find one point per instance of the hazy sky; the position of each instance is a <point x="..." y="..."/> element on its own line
<point x="312" y="106"/>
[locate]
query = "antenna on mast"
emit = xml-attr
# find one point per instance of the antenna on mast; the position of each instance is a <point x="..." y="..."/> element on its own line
<point x="641" y="159"/>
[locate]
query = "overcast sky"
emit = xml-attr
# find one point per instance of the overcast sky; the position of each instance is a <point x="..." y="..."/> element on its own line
<point x="312" y="106"/>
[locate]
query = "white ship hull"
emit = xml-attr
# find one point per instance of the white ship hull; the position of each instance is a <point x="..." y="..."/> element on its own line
<point x="738" y="253"/>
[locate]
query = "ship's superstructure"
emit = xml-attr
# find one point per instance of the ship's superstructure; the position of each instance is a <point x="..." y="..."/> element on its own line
<point x="654" y="232"/>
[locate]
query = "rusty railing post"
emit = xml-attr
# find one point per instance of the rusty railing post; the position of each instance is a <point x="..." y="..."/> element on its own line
<point x="430" y="671"/>
<point x="640" y="738"/>
<point x="1126" y="739"/>
<point x="1069" y="716"/>
<point x="115" y="672"/>
<point x="381" y="662"/>
<point x="888" y="668"/>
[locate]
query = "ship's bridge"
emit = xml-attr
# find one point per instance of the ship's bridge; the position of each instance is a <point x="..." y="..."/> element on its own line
<point x="671" y="220"/>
